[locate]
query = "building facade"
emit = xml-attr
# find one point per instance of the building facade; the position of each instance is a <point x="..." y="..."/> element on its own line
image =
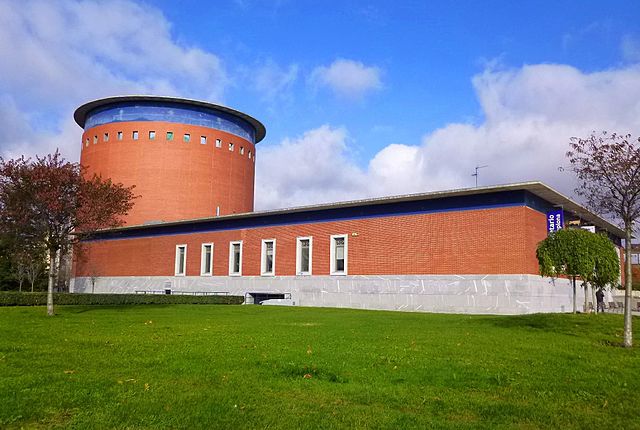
<point x="187" y="159"/>
<point x="470" y="250"/>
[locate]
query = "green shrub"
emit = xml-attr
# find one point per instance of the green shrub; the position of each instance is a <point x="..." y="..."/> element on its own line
<point x="14" y="298"/>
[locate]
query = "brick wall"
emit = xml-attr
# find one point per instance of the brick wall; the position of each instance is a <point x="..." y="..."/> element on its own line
<point x="175" y="179"/>
<point x="484" y="241"/>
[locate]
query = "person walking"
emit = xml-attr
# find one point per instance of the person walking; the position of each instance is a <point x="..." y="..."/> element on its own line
<point x="600" y="300"/>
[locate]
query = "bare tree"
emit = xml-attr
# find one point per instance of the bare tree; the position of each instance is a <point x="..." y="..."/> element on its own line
<point x="34" y="268"/>
<point x="608" y="170"/>
<point x="20" y="261"/>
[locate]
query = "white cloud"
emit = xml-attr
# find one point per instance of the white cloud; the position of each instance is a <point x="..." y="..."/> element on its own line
<point x="530" y="114"/>
<point x="630" y="49"/>
<point x="312" y="168"/>
<point x="66" y="52"/>
<point x="347" y="78"/>
<point x="273" y="81"/>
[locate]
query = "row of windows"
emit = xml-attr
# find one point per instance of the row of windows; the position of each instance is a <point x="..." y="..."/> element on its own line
<point x="186" y="137"/>
<point x="304" y="257"/>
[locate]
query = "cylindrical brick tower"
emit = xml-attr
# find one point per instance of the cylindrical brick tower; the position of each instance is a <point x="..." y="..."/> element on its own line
<point x="187" y="159"/>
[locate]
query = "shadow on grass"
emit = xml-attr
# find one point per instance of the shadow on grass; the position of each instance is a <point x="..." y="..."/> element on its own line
<point x="604" y="330"/>
<point x="81" y="309"/>
<point x="310" y="371"/>
<point x="556" y="323"/>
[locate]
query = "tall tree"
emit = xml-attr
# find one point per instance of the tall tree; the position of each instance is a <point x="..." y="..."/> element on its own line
<point x="49" y="201"/>
<point x="578" y="253"/>
<point x="608" y="170"/>
<point x="566" y="252"/>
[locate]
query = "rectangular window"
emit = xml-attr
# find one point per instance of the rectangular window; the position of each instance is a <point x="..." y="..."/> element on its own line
<point x="231" y="147"/>
<point x="87" y="142"/>
<point x="95" y="139"/>
<point x="339" y="254"/>
<point x="181" y="260"/>
<point x="303" y="255"/>
<point x="218" y="143"/>
<point x="187" y="137"/>
<point x="268" y="260"/>
<point x="105" y="137"/>
<point x="635" y="259"/>
<point x="249" y="155"/>
<point x="203" y="140"/>
<point x="169" y="135"/>
<point x="206" y="263"/>
<point x="242" y="150"/>
<point x="235" y="258"/>
<point x="119" y="135"/>
<point x="134" y="135"/>
<point x="152" y="135"/>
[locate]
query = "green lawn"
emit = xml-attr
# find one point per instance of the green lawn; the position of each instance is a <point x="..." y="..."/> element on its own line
<point x="216" y="366"/>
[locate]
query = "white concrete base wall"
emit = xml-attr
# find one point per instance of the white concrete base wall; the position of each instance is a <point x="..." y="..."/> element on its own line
<point x="475" y="294"/>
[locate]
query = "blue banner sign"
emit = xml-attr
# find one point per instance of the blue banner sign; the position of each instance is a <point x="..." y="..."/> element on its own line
<point x="555" y="220"/>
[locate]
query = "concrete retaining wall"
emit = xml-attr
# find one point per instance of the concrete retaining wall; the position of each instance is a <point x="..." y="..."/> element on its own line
<point x="475" y="294"/>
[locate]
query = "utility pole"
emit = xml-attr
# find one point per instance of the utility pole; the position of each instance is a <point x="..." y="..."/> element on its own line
<point x="476" y="174"/>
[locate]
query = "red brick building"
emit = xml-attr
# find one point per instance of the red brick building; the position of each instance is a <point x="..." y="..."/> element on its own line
<point x="193" y="229"/>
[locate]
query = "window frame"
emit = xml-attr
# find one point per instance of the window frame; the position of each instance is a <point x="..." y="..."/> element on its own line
<point x="203" y="259"/>
<point x="135" y="135"/>
<point x="177" y="271"/>
<point x="299" y="271"/>
<point x="218" y="143"/>
<point x="169" y="136"/>
<point x="231" y="272"/>
<point x="119" y="135"/>
<point x="105" y="137"/>
<point x="203" y="140"/>
<point x="152" y="135"/>
<point x="263" y="256"/>
<point x="186" y="137"/>
<point x="332" y="255"/>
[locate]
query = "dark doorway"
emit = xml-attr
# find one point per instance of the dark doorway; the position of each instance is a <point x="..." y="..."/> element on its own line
<point x="258" y="298"/>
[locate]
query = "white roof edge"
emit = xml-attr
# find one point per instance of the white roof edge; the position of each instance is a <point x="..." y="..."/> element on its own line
<point x="83" y="110"/>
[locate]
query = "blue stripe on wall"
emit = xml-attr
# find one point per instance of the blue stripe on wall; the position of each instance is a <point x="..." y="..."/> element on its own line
<point x="448" y="204"/>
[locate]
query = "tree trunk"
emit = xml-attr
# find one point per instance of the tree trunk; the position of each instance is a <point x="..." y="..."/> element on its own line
<point x="32" y="282"/>
<point x="20" y="285"/>
<point x="575" y="304"/>
<point x="59" y="282"/>
<point x="628" y="334"/>
<point x="586" y="304"/>
<point x="52" y="280"/>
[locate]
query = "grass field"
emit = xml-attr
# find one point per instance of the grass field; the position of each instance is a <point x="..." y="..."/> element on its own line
<point x="208" y="366"/>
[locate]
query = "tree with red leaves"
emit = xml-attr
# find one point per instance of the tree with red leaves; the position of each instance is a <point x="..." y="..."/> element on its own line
<point x="608" y="171"/>
<point x="49" y="201"/>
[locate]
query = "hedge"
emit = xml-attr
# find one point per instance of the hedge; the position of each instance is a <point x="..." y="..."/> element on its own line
<point x="14" y="298"/>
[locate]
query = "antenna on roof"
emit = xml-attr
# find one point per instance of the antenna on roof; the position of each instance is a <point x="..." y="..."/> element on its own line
<point x="476" y="174"/>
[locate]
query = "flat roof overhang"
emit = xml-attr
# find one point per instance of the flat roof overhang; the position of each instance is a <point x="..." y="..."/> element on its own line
<point x="80" y="114"/>
<point x="537" y="188"/>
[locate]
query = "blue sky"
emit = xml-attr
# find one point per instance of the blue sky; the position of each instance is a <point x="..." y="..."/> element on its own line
<point x="359" y="98"/>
